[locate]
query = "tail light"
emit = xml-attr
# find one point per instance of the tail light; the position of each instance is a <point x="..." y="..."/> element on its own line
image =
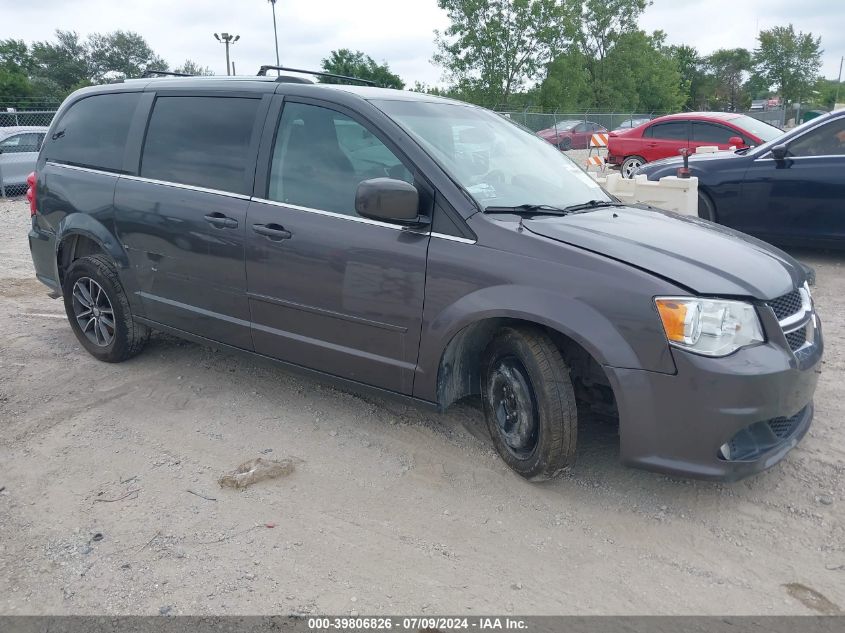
<point x="30" y="193"/>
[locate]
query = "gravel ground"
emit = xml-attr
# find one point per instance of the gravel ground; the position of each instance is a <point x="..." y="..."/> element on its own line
<point x="390" y="510"/>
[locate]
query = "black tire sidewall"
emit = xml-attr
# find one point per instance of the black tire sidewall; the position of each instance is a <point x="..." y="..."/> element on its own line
<point x="555" y="445"/>
<point x="100" y="270"/>
<point x="565" y="145"/>
<point x="706" y="211"/>
<point x="630" y="158"/>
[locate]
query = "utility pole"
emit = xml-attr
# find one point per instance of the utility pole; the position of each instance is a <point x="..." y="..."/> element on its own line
<point x="838" y="81"/>
<point x="276" y="36"/>
<point x="227" y="38"/>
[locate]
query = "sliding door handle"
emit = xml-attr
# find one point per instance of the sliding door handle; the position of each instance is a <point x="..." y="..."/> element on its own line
<point x="275" y="232"/>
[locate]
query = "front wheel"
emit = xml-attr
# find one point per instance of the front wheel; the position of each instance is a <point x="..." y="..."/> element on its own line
<point x="565" y="145"/>
<point x="631" y="164"/>
<point x="706" y="209"/>
<point x="98" y="311"/>
<point x="529" y="403"/>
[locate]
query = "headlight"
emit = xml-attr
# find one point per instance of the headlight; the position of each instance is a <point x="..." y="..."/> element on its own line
<point x="712" y="327"/>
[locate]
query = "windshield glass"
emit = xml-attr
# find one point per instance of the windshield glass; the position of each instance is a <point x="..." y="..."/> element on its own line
<point x="760" y="129"/>
<point x="566" y="125"/>
<point x="496" y="161"/>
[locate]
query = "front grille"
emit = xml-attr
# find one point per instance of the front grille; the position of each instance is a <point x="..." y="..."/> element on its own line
<point x="783" y="427"/>
<point x="797" y="338"/>
<point x="787" y="305"/>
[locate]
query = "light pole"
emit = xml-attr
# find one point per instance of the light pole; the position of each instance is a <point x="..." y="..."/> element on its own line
<point x="276" y="36"/>
<point x="838" y="81"/>
<point x="227" y="38"/>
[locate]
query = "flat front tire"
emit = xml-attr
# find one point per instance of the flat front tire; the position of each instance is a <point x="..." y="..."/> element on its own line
<point x="529" y="403"/>
<point x="98" y="311"/>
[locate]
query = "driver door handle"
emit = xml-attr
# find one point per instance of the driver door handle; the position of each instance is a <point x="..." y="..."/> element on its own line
<point x="274" y="232"/>
<point x="221" y="221"/>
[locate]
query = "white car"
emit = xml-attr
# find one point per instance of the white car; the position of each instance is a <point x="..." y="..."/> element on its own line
<point x="18" y="152"/>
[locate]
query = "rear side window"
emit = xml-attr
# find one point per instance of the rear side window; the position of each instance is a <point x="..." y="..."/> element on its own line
<point x="200" y="141"/>
<point x="21" y="143"/>
<point x="92" y="133"/>
<point x="675" y="131"/>
<point x="712" y="133"/>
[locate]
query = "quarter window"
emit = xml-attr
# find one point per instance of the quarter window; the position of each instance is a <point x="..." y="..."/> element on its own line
<point x="674" y="131"/>
<point x="200" y="141"/>
<point x="93" y="131"/>
<point x="321" y="156"/>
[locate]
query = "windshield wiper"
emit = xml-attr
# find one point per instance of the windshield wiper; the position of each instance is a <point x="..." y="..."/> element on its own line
<point x="528" y="209"/>
<point x="590" y="205"/>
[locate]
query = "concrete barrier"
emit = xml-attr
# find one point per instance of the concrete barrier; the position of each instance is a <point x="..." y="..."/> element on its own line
<point x="670" y="193"/>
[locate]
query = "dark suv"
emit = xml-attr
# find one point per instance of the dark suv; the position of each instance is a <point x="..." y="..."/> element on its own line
<point x="425" y="248"/>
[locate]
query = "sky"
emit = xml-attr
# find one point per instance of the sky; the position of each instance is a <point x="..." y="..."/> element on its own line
<point x="399" y="32"/>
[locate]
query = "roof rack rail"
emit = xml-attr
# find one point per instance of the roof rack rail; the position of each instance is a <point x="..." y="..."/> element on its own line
<point x="163" y="73"/>
<point x="262" y="72"/>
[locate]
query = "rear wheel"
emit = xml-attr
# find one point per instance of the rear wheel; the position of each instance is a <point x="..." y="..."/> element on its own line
<point x="631" y="164"/>
<point x="706" y="208"/>
<point x="98" y="311"/>
<point x="529" y="403"/>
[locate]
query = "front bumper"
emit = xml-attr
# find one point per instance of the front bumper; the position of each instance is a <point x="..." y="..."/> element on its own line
<point x="678" y="423"/>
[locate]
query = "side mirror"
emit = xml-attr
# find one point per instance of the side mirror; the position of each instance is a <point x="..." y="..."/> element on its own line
<point x="779" y="152"/>
<point x="736" y="141"/>
<point x="388" y="200"/>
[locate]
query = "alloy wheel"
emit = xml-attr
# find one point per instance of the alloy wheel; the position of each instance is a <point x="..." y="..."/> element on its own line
<point x="93" y="311"/>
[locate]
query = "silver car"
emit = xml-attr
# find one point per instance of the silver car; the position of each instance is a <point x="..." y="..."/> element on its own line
<point x="18" y="152"/>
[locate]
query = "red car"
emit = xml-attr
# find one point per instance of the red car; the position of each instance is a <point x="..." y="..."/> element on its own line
<point x="571" y="134"/>
<point x="664" y="136"/>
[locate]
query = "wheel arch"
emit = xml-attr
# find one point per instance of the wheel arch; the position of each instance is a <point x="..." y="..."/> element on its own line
<point x="459" y="362"/>
<point x="79" y="235"/>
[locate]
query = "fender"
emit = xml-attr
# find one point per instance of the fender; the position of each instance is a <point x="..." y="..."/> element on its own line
<point x="644" y="348"/>
<point x="82" y="224"/>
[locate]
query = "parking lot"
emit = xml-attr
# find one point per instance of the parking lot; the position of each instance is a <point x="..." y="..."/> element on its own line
<point x="110" y="502"/>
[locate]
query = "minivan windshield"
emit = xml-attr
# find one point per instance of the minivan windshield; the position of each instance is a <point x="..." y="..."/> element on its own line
<point x="499" y="163"/>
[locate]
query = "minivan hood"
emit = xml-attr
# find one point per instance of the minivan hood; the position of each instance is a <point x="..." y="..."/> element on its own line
<point x="706" y="258"/>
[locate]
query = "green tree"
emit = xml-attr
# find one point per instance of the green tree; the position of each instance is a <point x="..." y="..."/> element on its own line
<point x="492" y="48"/>
<point x="568" y="84"/>
<point x="64" y="62"/>
<point x="825" y="93"/>
<point x="694" y="81"/>
<point x="789" y="61"/>
<point x="15" y="63"/>
<point x="121" y="54"/>
<point x="730" y="68"/>
<point x="602" y="24"/>
<point x="357" y="64"/>
<point x="190" y="67"/>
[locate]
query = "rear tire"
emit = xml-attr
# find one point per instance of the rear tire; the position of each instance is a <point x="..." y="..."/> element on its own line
<point x="706" y="208"/>
<point x="529" y="403"/>
<point x="98" y="311"/>
<point x="630" y="165"/>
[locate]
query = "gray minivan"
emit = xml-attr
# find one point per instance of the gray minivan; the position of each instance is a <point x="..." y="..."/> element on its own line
<point x="428" y="249"/>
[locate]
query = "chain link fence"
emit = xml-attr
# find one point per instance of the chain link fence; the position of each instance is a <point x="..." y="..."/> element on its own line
<point x="18" y="118"/>
<point x="21" y="134"/>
